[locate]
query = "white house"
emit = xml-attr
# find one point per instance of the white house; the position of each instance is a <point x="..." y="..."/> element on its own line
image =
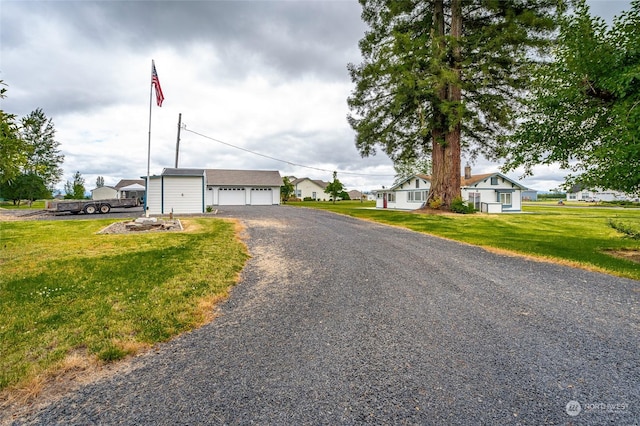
<point x="309" y="188"/>
<point x="490" y="193"/>
<point x="192" y="190"/>
<point x="580" y="193"/>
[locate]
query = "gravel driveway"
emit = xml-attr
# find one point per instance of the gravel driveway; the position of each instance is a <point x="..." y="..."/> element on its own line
<point x="341" y="321"/>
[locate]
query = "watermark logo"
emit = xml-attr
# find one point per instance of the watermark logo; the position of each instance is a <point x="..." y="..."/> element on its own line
<point x="573" y="408"/>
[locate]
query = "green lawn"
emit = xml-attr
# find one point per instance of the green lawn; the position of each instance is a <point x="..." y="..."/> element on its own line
<point x="64" y="289"/>
<point x="577" y="235"/>
<point x="24" y="205"/>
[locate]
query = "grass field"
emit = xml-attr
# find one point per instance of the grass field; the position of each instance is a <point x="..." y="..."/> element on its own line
<point x="66" y="291"/>
<point x="578" y="236"/>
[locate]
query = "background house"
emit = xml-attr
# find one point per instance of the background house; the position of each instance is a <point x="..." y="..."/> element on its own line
<point x="581" y="193"/>
<point x="192" y="190"/>
<point x="309" y="188"/>
<point x="490" y="193"/>
<point x="354" y="194"/>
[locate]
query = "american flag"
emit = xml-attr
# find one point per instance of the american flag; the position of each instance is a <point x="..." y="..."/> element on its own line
<point x="156" y="83"/>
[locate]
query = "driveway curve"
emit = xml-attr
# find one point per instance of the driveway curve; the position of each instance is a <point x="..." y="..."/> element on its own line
<point x="342" y="321"/>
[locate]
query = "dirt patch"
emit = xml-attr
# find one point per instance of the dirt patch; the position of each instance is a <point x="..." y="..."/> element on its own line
<point x="76" y="370"/>
<point x="632" y="255"/>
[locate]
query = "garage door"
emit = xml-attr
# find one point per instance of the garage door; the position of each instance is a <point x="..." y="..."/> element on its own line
<point x="231" y="197"/>
<point x="261" y="197"/>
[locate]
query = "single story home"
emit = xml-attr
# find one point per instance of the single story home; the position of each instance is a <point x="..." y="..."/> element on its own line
<point x="490" y="193"/>
<point x="309" y="188"/>
<point x="192" y="190"/>
<point x="581" y="193"/>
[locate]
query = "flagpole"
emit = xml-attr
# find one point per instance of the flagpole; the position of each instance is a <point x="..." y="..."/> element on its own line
<point x="146" y="198"/>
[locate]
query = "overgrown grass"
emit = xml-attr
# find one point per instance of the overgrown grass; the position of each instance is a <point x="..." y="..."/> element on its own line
<point x="65" y="289"/>
<point x="576" y="235"/>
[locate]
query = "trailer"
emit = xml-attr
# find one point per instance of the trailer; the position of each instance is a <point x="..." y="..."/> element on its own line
<point x="90" y="206"/>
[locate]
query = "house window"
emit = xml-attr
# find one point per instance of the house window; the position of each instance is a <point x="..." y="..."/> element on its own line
<point x="417" y="183"/>
<point x="494" y="180"/>
<point x="298" y="193"/>
<point x="505" y="198"/>
<point x="391" y="197"/>
<point x="313" y="195"/>
<point x="416" y="196"/>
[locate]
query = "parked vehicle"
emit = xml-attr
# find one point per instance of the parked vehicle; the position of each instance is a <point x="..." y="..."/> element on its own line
<point x="90" y="206"/>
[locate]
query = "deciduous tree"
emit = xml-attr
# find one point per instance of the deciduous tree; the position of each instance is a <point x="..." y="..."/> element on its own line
<point x="12" y="148"/>
<point x="286" y="189"/>
<point x="334" y="188"/>
<point x="584" y="107"/>
<point x="43" y="156"/>
<point x="28" y="187"/>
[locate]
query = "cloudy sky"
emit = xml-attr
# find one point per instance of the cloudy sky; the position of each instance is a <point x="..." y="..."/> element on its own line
<point x="266" y="76"/>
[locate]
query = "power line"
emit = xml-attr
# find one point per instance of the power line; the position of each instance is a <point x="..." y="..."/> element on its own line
<point x="280" y="160"/>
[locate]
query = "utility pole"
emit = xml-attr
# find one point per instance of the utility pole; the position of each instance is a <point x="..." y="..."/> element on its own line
<point x="178" y="139"/>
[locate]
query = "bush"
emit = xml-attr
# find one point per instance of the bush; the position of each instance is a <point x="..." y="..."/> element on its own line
<point x="308" y="199"/>
<point x="458" y="205"/>
<point x="435" y="203"/>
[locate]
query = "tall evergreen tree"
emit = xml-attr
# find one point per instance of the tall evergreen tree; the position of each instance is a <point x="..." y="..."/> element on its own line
<point x="43" y="156"/>
<point x="443" y="77"/>
<point x="584" y="108"/>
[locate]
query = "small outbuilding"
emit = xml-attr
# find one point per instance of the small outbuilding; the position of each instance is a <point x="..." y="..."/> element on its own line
<point x="192" y="190"/>
<point x="104" y="193"/>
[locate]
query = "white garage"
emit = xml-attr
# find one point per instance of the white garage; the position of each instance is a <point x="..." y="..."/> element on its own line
<point x="194" y="190"/>
<point x="261" y="196"/>
<point x="232" y="196"/>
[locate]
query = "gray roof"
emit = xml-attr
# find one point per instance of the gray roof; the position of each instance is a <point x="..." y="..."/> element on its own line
<point x="244" y="177"/>
<point x="127" y="182"/>
<point x="322" y="184"/>
<point x="182" y="172"/>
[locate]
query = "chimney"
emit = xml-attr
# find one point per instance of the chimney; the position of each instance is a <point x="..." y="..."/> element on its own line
<point x="467" y="172"/>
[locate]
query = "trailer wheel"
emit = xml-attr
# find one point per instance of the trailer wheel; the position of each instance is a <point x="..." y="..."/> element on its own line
<point x="90" y="209"/>
<point x="105" y="208"/>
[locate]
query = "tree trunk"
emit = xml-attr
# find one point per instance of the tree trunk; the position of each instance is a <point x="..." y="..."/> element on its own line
<point x="445" y="178"/>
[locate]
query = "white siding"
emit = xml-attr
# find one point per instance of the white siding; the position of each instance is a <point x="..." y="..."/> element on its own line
<point x="183" y="194"/>
<point x="261" y="197"/>
<point x="232" y="196"/>
<point x="104" y="193"/>
<point x="308" y="188"/>
<point x="154" y="198"/>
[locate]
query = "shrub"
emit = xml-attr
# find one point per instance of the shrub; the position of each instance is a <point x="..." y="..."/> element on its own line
<point x="458" y="205"/>
<point x="435" y="203"/>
